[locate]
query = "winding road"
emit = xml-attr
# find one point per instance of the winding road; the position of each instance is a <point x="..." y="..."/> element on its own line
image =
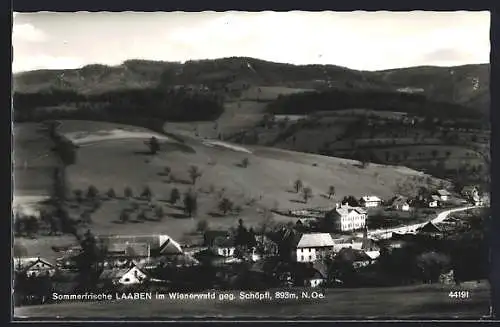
<point x="387" y="233"/>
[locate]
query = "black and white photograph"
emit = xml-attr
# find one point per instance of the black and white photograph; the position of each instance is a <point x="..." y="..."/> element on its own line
<point x="251" y="165"/>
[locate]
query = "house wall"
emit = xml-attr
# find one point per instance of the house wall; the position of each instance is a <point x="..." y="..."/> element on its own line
<point x="305" y="254"/>
<point x="352" y="221"/>
<point x="313" y="282"/>
<point x="225" y="251"/>
<point x="433" y="204"/>
<point x="371" y="204"/>
<point x="133" y="276"/>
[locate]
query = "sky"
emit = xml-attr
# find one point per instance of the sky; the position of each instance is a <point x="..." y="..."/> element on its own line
<point x="357" y="40"/>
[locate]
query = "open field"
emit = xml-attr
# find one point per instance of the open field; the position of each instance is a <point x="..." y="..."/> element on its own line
<point x="269" y="93"/>
<point x="265" y="182"/>
<point x="420" y="302"/>
<point x="34" y="162"/>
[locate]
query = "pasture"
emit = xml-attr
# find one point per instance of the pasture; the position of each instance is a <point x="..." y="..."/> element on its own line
<point x="267" y="181"/>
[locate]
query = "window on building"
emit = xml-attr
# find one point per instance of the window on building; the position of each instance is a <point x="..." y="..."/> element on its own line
<point x="310" y="257"/>
<point x="301" y="258"/>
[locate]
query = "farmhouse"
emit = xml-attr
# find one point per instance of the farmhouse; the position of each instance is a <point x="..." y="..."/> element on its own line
<point x="312" y="246"/>
<point x="140" y="246"/>
<point x="315" y="274"/>
<point x="370" y="201"/>
<point x="33" y="267"/>
<point x="347" y="218"/>
<point x="219" y="242"/>
<point x="430" y="229"/>
<point x="433" y="201"/>
<point x="444" y="195"/>
<point x="472" y="194"/>
<point x="132" y="275"/>
<point x="400" y="203"/>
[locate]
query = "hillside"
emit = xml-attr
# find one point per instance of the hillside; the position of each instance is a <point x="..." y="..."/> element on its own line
<point x="107" y="161"/>
<point x="464" y="85"/>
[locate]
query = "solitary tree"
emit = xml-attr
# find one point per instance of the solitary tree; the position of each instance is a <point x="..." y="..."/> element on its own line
<point x="159" y="213"/>
<point x="202" y="226"/>
<point x="306" y="193"/>
<point x="128" y="193"/>
<point x="174" y="196"/>
<point x="225" y="205"/>
<point x="111" y="193"/>
<point x="78" y="195"/>
<point x="92" y="192"/>
<point x="154" y="145"/>
<point x="124" y="216"/>
<point x="194" y="174"/>
<point x="331" y="191"/>
<point x="297" y="185"/>
<point x="245" y="162"/>
<point x="167" y="170"/>
<point x="190" y="203"/>
<point x="147" y="193"/>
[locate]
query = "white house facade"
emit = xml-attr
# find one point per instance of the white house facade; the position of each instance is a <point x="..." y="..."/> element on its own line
<point x="312" y="247"/>
<point x="370" y="201"/>
<point x="347" y="218"/>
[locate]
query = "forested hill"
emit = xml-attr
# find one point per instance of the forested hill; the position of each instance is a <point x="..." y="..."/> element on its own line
<point x="466" y="85"/>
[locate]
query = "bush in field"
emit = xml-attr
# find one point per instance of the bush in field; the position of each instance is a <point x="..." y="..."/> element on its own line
<point x="297" y="185"/>
<point x="128" y="193"/>
<point x="111" y="193"/>
<point x="92" y="192"/>
<point x="194" y="174"/>
<point x="147" y="194"/>
<point x="331" y="191"/>
<point x="124" y="216"/>
<point x="245" y="162"/>
<point x="175" y="195"/>
<point x="78" y="195"/>
<point x="307" y="193"/>
<point x="190" y="203"/>
<point x="202" y="226"/>
<point x="225" y="205"/>
<point x="159" y="213"/>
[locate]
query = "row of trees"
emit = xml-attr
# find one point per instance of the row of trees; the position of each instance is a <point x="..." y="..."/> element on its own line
<point x="165" y="104"/>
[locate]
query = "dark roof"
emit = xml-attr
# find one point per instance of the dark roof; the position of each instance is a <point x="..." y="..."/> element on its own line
<point x="399" y="200"/>
<point x="224" y="241"/>
<point x="210" y="235"/>
<point x="128" y="249"/>
<point x="430" y="228"/>
<point x="353" y="255"/>
<point x="443" y="192"/>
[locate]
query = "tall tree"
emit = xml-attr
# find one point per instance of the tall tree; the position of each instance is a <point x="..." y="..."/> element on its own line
<point x="154" y="145"/>
<point x="194" y="174"/>
<point x="297" y="185"/>
<point x="174" y="196"/>
<point x="307" y="193"/>
<point x="190" y="203"/>
<point x="331" y="191"/>
<point x="225" y="205"/>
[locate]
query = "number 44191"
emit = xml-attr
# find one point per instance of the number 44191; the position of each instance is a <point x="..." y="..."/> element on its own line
<point x="459" y="294"/>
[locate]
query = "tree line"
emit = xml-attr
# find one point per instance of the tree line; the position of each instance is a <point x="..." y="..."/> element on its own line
<point x="331" y="100"/>
<point x="154" y="102"/>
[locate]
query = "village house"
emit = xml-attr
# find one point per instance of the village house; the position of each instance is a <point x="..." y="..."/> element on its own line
<point x="430" y="229"/>
<point x="219" y="242"/>
<point x="370" y="201"/>
<point x="131" y="275"/>
<point x="311" y="247"/>
<point x="347" y="218"/>
<point x="315" y="274"/>
<point x="471" y="193"/>
<point x="399" y="203"/>
<point x="346" y="243"/>
<point x="34" y="267"/>
<point x="433" y="201"/>
<point x="443" y="194"/>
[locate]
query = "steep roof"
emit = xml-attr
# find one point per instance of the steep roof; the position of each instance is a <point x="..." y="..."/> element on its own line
<point x="315" y="240"/>
<point x="24" y="263"/>
<point x="443" y="192"/>
<point x="399" y="200"/>
<point x="345" y="210"/>
<point x="468" y="189"/>
<point x="430" y="228"/>
<point x="371" y="198"/>
<point x="129" y="249"/>
<point x="435" y="198"/>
